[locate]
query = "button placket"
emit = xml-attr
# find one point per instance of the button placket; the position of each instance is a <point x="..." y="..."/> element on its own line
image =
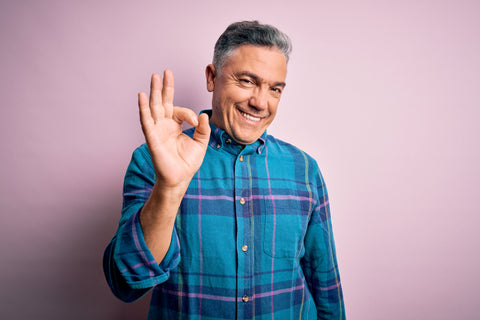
<point x="244" y="253"/>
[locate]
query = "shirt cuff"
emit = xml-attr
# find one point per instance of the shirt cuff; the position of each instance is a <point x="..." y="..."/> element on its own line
<point x="136" y="263"/>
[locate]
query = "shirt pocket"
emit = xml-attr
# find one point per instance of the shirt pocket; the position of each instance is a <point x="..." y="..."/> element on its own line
<point x="285" y="225"/>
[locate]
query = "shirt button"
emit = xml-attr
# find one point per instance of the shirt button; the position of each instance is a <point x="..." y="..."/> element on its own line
<point x="245" y="299"/>
<point x="218" y="146"/>
<point x="244" y="248"/>
<point x="242" y="201"/>
<point x="229" y="141"/>
<point x="241" y="158"/>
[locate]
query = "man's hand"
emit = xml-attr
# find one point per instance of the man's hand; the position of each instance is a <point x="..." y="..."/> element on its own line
<point x="176" y="157"/>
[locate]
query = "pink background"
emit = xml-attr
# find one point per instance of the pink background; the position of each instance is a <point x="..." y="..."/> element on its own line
<point x="384" y="94"/>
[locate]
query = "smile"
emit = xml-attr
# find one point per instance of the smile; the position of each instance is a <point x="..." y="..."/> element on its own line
<point x="249" y="117"/>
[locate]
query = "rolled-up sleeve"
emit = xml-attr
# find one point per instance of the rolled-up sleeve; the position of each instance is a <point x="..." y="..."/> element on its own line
<point x="130" y="269"/>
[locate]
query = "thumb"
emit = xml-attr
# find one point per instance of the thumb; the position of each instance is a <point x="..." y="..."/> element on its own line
<point x="202" y="131"/>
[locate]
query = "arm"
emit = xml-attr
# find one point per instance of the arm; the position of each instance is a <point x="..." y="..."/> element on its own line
<point x="175" y="156"/>
<point x="145" y="246"/>
<point x="320" y="263"/>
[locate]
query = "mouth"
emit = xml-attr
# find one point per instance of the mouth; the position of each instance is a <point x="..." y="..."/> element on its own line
<point x="249" y="117"/>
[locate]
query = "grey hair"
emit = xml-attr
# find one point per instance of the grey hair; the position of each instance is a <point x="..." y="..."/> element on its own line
<point x="249" y="33"/>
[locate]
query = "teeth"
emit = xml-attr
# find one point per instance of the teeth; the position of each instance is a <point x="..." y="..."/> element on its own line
<point x="249" y="117"/>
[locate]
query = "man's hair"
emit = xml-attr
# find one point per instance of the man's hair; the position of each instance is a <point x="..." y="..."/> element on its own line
<point x="249" y="33"/>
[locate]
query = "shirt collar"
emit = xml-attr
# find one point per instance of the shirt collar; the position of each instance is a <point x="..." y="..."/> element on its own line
<point x="220" y="139"/>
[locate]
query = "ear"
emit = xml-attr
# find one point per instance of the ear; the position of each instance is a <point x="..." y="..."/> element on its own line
<point x="211" y="75"/>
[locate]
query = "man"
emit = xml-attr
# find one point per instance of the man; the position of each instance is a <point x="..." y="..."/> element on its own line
<point x="224" y="221"/>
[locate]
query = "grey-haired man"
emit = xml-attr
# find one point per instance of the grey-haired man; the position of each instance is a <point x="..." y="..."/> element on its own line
<point x="223" y="221"/>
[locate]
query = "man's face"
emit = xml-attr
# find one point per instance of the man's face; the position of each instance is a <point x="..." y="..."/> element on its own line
<point x="247" y="91"/>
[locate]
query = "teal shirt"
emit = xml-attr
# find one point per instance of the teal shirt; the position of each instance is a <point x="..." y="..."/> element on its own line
<point x="252" y="240"/>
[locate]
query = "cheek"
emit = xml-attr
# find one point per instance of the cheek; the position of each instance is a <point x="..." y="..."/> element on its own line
<point x="274" y="107"/>
<point x="236" y="95"/>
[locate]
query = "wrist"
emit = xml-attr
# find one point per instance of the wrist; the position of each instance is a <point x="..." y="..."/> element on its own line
<point x="162" y="206"/>
<point x="168" y="195"/>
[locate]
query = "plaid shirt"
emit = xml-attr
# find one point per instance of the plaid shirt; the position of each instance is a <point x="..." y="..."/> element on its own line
<point x="252" y="240"/>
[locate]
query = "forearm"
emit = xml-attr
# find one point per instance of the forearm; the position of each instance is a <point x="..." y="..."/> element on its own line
<point x="146" y="247"/>
<point x="157" y="218"/>
<point x="129" y="266"/>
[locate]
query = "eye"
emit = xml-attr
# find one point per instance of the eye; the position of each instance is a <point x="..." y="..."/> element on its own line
<point x="246" y="81"/>
<point x="277" y="90"/>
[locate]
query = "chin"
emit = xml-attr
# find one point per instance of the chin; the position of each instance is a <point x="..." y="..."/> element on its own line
<point x="242" y="139"/>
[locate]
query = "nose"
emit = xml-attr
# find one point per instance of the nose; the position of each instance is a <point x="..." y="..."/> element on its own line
<point x="259" y="99"/>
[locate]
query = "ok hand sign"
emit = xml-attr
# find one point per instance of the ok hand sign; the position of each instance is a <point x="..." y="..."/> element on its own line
<point x="176" y="157"/>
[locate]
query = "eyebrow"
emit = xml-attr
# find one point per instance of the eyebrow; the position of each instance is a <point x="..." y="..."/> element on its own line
<point x="258" y="79"/>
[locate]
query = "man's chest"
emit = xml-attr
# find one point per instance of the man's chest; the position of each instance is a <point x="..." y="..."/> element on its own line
<point x="246" y="204"/>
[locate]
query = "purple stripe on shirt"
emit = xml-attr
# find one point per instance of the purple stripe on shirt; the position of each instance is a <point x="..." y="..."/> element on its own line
<point x="333" y="286"/>
<point x="137" y="243"/>
<point x="279" y="291"/>
<point x="322" y="205"/>
<point x="148" y="190"/>
<point x="229" y="198"/>
<point x="301" y="182"/>
<point x="215" y="275"/>
<point x="205" y="197"/>
<point x="201" y="296"/>
<point x="138" y="265"/>
<point x="230" y="299"/>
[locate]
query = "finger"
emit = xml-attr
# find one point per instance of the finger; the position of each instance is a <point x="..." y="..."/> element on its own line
<point x="167" y="93"/>
<point x="144" y="109"/>
<point x="202" y="131"/>
<point x="184" y="114"/>
<point x="156" y="107"/>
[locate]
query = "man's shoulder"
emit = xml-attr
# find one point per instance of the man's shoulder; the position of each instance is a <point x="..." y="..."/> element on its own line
<point x="141" y="155"/>
<point x="283" y="148"/>
<point x="142" y="150"/>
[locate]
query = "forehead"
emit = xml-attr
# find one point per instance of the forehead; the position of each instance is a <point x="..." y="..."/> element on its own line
<point x="268" y="63"/>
